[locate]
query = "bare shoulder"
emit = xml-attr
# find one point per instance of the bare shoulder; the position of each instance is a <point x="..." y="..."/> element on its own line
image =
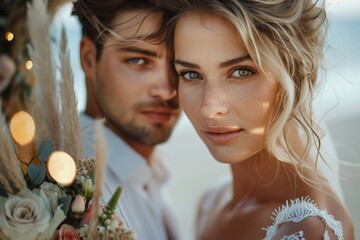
<point x="213" y="195"/>
<point x="210" y="204"/>
<point x="245" y="221"/>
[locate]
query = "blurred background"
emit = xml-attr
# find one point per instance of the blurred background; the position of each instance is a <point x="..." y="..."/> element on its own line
<point x="338" y="103"/>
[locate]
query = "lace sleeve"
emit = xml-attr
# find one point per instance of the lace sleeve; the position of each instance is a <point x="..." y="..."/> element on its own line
<point x="297" y="210"/>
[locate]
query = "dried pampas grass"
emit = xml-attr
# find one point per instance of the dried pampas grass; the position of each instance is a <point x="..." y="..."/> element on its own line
<point x="11" y="177"/>
<point x="46" y="112"/>
<point x="99" y="175"/>
<point x="55" y="111"/>
<point x="71" y="141"/>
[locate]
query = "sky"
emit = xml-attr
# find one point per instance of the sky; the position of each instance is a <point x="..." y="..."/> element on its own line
<point x="344" y="8"/>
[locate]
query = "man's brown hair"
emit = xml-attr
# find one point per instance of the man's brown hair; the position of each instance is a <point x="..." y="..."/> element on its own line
<point x="97" y="18"/>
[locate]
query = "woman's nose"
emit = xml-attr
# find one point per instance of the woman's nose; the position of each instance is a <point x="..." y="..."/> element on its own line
<point x="214" y="102"/>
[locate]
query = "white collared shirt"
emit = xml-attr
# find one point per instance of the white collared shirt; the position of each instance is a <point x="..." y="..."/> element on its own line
<point x="141" y="205"/>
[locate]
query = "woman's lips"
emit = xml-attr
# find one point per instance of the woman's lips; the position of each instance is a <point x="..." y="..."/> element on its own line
<point x="222" y="135"/>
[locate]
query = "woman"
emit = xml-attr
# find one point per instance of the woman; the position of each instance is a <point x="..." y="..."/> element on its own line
<point x="247" y="72"/>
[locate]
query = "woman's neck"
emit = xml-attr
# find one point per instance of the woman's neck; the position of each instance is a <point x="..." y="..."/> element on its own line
<point x="260" y="178"/>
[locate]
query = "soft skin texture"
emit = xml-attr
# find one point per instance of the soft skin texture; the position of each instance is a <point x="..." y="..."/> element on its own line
<point x="131" y="85"/>
<point x="230" y="103"/>
<point x="225" y="93"/>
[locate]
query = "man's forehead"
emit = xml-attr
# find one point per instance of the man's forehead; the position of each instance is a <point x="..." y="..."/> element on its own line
<point x="136" y="23"/>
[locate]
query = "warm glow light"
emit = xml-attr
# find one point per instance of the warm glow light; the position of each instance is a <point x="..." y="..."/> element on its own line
<point x="28" y="65"/>
<point x="62" y="168"/>
<point x="9" y="36"/>
<point x="22" y="128"/>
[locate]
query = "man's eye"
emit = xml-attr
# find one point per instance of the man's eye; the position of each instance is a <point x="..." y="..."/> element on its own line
<point x="242" y="72"/>
<point x="136" y="61"/>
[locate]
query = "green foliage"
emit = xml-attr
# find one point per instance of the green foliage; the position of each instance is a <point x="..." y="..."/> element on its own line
<point x="109" y="211"/>
<point x="45" y="150"/>
<point x="3" y="192"/>
<point x="66" y="202"/>
<point x="37" y="174"/>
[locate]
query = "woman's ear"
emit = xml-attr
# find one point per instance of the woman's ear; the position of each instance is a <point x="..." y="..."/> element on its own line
<point x="88" y="56"/>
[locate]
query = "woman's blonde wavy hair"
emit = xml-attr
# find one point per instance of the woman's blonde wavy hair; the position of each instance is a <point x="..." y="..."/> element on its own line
<point x="285" y="37"/>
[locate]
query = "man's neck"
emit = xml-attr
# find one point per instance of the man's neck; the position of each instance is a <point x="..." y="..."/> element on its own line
<point x="145" y="151"/>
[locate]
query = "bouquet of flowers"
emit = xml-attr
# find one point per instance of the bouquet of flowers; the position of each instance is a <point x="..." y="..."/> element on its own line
<point x="44" y="192"/>
<point x="50" y="209"/>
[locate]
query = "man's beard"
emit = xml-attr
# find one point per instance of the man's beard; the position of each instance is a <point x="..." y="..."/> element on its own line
<point x="148" y="136"/>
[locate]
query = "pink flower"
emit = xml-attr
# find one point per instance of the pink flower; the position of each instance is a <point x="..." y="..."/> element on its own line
<point x="66" y="232"/>
<point x="116" y="222"/>
<point x="86" y="216"/>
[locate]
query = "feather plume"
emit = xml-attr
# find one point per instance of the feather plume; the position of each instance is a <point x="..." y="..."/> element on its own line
<point x="46" y="115"/>
<point x="70" y="120"/>
<point x="99" y="175"/>
<point x="11" y="176"/>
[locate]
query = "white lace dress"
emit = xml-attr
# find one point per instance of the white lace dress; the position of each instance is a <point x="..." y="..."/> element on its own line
<point x="292" y="211"/>
<point x="296" y="211"/>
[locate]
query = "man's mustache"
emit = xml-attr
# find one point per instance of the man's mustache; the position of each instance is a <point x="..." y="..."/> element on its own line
<point x="172" y="104"/>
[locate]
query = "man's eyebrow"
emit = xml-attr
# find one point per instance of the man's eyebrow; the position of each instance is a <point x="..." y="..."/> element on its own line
<point x="140" y="50"/>
<point x="221" y="65"/>
<point x="234" y="61"/>
<point x="186" y="64"/>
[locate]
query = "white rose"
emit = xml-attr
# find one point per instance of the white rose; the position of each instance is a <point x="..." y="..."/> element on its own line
<point x="78" y="204"/>
<point x="27" y="215"/>
<point x="2" y="236"/>
<point x="53" y="193"/>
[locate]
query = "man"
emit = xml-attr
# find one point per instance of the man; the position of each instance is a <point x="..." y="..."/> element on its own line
<point x="129" y="83"/>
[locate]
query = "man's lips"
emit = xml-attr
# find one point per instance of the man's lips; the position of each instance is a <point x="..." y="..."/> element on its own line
<point x="222" y="135"/>
<point x="159" y="114"/>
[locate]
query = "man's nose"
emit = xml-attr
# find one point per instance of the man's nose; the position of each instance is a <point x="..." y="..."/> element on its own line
<point x="163" y="86"/>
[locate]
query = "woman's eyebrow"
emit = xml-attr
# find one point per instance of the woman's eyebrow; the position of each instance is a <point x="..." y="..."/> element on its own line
<point x="186" y="64"/>
<point x="234" y="61"/>
<point x="221" y="65"/>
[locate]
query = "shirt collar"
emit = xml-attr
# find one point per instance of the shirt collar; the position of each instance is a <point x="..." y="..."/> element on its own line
<point x="122" y="161"/>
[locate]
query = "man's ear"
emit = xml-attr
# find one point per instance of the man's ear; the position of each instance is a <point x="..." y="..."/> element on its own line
<point x="88" y="56"/>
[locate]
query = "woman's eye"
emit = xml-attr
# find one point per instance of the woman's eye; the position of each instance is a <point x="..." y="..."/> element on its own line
<point x="190" y="75"/>
<point x="242" y="73"/>
<point x="136" y="61"/>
